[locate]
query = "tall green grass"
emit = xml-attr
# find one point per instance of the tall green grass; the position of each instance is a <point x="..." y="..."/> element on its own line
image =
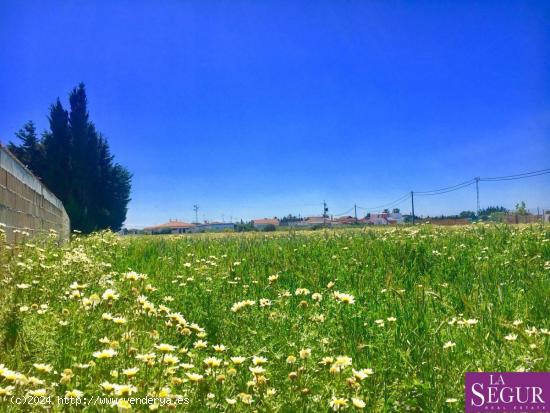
<point x="429" y="304"/>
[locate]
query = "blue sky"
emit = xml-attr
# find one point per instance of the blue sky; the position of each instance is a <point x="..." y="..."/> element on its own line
<point x="254" y="109"/>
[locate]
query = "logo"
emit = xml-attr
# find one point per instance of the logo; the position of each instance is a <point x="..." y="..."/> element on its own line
<point x="507" y="392"/>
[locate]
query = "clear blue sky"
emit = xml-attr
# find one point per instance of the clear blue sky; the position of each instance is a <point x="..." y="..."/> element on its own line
<point x="254" y="109"/>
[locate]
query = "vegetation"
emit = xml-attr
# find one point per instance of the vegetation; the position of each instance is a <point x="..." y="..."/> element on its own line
<point x="74" y="161"/>
<point x="245" y="227"/>
<point x="379" y="320"/>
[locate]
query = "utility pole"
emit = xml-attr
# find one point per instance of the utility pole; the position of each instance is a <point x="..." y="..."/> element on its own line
<point x="412" y="204"/>
<point x="477" y="194"/>
<point x="325" y="210"/>
<point x="196" y="209"/>
<point x="355" y="209"/>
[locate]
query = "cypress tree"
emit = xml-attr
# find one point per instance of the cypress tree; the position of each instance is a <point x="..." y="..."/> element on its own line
<point x="75" y="163"/>
<point x="57" y="150"/>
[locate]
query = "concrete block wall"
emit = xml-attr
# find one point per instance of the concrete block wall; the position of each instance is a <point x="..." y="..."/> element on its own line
<point x="26" y="204"/>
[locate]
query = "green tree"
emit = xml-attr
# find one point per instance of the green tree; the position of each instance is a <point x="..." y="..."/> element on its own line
<point x="521" y="208"/>
<point x="467" y="214"/>
<point x="57" y="150"/>
<point x="31" y="151"/>
<point x="78" y="166"/>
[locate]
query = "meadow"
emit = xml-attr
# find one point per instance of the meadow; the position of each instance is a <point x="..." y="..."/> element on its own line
<point x="377" y="320"/>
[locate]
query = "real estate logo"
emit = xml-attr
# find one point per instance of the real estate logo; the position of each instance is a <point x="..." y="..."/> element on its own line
<point x="507" y="392"/>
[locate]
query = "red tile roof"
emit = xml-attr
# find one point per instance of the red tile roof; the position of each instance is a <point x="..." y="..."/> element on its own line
<point x="170" y="224"/>
<point x="265" y="221"/>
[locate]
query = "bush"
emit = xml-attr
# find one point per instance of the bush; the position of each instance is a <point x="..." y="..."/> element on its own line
<point x="269" y="228"/>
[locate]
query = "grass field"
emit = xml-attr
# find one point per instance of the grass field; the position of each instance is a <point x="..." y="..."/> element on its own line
<point x="377" y="320"/>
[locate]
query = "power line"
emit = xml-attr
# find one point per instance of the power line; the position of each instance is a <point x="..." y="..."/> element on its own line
<point x="455" y="188"/>
<point x="389" y="204"/>
<point x="344" y="213"/>
<point x="446" y="188"/>
<point x="518" y="176"/>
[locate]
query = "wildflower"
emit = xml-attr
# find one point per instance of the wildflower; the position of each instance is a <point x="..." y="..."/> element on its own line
<point x="305" y="353"/>
<point x="34" y="381"/>
<point x="448" y="344"/>
<point x="338" y="403"/>
<point x="149" y="357"/>
<point x="132" y="276"/>
<point x="230" y="402"/>
<point x="124" y="389"/>
<point x="291" y="359"/>
<point x="258" y="360"/>
<point x="119" y="320"/>
<point x="257" y="370"/>
<point x="108" y="387"/>
<point x="242" y="304"/>
<point x="511" y="337"/>
<point x="358" y="403"/>
<point x="451" y="400"/>
<point x="316" y="297"/>
<point x="165" y="348"/>
<point x="44" y="368"/>
<point x="212" y="362"/>
<point x="6" y="391"/>
<point x="123" y="405"/>
<point x="66" y="376"/>
<point x="200" y="344"/>
<point x="194" y="377"/>
<point x="344" y="298"/>
<point x="38" y="393"/>
<point x="74" y="394"/>
<point x="246" y="398"/>
<point x="109" y="295"/>
<point x="131" y="372"/>
<point x="362" y="374"/>
<point x="238" y="360"/>
<point x="105" y="354"/>
<point x="170" y="359"/>
<point x="517" y="322"/>
<point x="343" y="361"/>
<point x="219" y="348"/>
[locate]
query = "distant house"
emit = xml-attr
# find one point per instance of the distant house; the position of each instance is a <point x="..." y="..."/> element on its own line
<point x="260" y="224"/>
<point x="378" y="219"/>
<point x="313" y="221"/>
<point x="171" y="227"/>
<point x="317" y="220"/>
<point x="395" y="218"/>
<point x="213" y="226"/>
<point x="385" y="218"/>
<point x="349" y="220"/>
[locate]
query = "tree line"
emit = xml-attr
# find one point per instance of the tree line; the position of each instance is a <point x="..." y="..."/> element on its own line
<point x="74" y="161"/>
